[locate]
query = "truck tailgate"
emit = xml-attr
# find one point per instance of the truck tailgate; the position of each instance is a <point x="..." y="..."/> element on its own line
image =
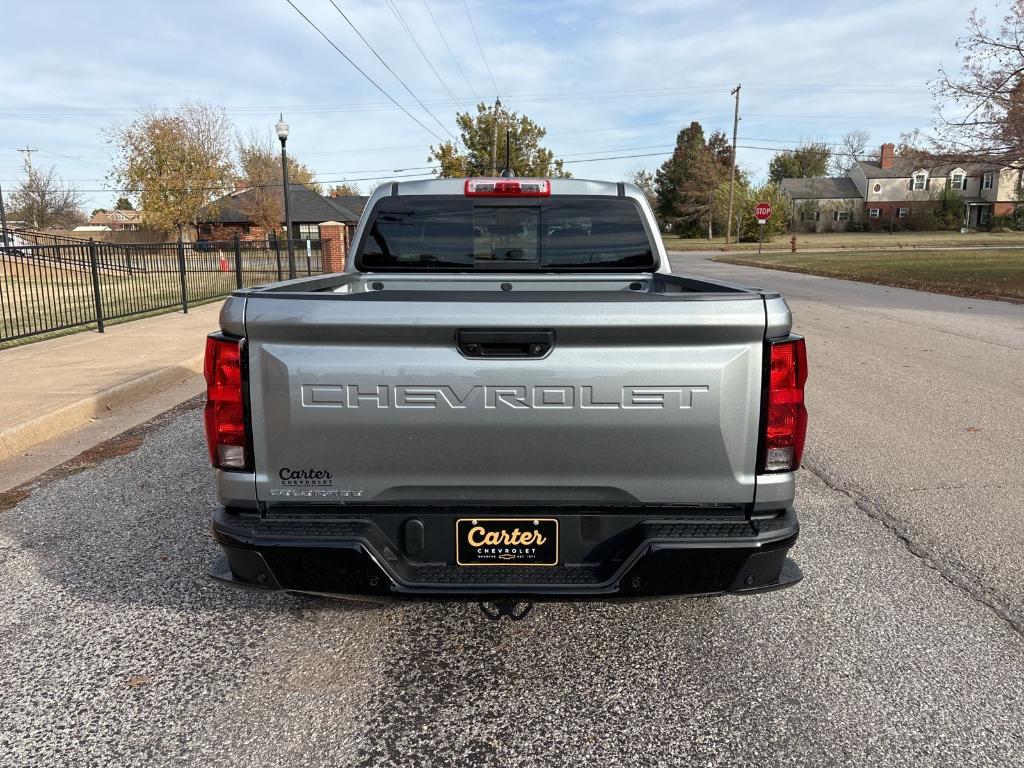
<point x="638" y="401"/>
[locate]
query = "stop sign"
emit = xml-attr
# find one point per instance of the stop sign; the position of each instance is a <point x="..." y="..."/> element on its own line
<point x="763" y="211"/>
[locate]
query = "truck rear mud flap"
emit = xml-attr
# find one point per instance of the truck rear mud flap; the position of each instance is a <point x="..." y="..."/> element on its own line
<point x="354" y="557"/>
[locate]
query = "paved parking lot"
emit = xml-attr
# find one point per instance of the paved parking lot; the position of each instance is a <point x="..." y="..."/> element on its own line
<point x="902" y="646"/>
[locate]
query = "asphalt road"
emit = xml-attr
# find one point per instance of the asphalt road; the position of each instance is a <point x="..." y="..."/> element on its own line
<point x="916" y="405"/>
<point x="901" y="647"/>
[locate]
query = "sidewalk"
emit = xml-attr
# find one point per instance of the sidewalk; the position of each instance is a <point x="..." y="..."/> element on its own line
<point x="50" y="387"/>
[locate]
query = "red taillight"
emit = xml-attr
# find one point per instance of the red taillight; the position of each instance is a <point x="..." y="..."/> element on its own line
<point x="225" y="412"/>
<point x="785" y="422"/>
<point x="508" y="187"/>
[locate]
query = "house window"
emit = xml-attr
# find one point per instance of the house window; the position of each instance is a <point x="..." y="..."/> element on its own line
<point x="902" y="212"/>
<point x="308" y="231"/>
<point x="874" y="213"/>
<point x="840" y="215"/>
<point x="959" y="181"/>
<point x="809" y="215"/>
<point x="987" y="180"/>
<point x="920" y="181"/>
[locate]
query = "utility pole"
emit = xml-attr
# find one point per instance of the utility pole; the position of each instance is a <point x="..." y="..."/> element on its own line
<point x="494" y="145"/>
<point x="732" y="178"/>
<point x="27" y="152"/>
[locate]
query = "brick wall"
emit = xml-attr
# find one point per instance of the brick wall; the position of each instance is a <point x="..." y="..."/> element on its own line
<point x="333" y="245"/>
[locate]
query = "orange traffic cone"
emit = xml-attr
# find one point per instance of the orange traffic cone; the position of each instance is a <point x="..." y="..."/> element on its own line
<point x="224" y="267"/>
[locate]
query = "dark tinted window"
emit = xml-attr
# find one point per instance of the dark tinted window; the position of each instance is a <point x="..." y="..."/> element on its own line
<point x="459" y="233"/>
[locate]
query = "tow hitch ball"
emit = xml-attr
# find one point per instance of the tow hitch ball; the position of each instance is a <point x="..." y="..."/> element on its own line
<point x="515" y="610"/>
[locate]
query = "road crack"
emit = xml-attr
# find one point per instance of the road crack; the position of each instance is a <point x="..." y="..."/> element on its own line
<point x="956" y="574"/>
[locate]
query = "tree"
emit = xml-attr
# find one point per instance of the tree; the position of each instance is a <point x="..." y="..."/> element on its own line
<point x="686" y="183"/>
<point x="483" y="157"/>
<point x="345" y="189"/>
<point x="259" y="170"/>
<point x="782" y="212"/>
<point x="807" y="161"/>
<point x="646" y="182"/>
<point x="852" y="149"/>
<point x="174" y="162"/>
<point x="43" y="200"/>
<point x="950" y="211"/>
<point x="981" y="109"/>
<point x="123" y="204"/>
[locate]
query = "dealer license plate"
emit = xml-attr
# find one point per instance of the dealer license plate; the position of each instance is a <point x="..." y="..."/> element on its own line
<point x="506" y="541"/>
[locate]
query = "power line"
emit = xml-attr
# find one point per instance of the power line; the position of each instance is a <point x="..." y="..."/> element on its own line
<point x="389" y="69"/>
<point x="226" y="189"/>
<point x="481" y="48"/>
<point x="344" y="175"/>
<point x="415" y="42"/>
<point x="361" y="72"/>
<point x="455" y="61"/>
<point x="556" y="97"/>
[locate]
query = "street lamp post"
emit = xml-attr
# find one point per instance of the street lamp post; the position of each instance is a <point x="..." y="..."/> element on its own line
<point x="3" y="218"/>
<point x="282" y="134"/>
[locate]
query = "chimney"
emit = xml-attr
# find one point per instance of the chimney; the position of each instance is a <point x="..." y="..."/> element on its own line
<point x="886" y="157"/>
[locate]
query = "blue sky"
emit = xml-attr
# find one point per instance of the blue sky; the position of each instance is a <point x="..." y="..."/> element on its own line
<point x="604" y="78"/>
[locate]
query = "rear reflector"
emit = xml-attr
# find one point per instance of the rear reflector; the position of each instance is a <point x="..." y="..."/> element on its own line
<point x="225" y="412"/>
<point x="508" y="187"/>
<point x="785" y="423"/>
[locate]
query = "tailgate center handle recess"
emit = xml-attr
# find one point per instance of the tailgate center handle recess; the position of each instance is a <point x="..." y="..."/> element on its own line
<point x="505" y="343"/>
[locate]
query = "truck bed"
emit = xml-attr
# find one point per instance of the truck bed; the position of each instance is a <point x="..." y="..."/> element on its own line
<point x="607" y="287"/>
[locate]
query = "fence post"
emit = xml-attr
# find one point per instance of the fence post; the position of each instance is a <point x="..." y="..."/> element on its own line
<point x="238" y="262"/>
<point x="277" y="249"/>
<point x="94" y="267"/>
<point x="309" y="257"/>
<point x="181" y="274"/>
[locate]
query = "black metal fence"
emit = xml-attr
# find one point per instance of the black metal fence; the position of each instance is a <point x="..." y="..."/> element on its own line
<point x="49" y="288"/>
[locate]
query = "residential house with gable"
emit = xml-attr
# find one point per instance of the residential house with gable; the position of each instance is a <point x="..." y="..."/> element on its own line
<point x="892" y="191"/>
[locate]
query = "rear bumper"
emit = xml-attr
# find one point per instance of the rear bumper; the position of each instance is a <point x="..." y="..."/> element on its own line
<point x="625" y="553"/>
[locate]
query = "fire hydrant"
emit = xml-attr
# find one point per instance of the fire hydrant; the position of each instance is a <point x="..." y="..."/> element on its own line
<point x="792" y="244"/>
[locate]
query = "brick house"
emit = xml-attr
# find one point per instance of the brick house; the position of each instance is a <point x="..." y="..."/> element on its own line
<point x="224" y="218"/>
<point x="893" y="190"/>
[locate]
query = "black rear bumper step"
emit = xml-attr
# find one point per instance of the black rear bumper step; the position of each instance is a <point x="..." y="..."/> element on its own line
<point x="633" y="556"/>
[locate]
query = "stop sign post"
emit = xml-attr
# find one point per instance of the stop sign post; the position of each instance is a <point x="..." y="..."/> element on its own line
<point x="762" y="212"/>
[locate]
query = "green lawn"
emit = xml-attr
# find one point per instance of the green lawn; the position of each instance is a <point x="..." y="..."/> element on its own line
<point x="995" y="273"/>
<point x="855" y="240"/>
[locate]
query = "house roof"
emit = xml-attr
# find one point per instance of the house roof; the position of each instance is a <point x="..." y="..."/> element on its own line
<point x="352" y="203"/>
<point x="834" y="188"/>
<point x="904" y="167"/>
<point x="307" y="207"/>
<point x="102" y="218"/>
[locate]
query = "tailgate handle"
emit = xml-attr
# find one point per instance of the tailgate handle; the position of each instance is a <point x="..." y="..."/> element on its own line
<point x="505" y="343"/>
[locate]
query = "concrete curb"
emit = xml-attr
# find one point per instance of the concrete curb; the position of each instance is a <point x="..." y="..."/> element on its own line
<point x="20" y="437"/>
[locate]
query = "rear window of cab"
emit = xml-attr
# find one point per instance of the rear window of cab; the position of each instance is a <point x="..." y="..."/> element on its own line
<point x="416" y="233"/>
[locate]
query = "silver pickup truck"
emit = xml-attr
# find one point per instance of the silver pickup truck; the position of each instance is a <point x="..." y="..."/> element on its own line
<point x="506" y="395"/>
